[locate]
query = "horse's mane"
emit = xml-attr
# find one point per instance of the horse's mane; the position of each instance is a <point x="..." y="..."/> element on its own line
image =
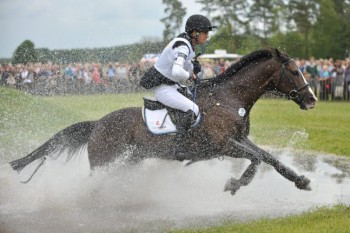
<point x="263" y="54"/>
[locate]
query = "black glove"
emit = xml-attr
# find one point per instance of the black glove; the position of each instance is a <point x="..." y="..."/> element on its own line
<point x="196" y="67"/>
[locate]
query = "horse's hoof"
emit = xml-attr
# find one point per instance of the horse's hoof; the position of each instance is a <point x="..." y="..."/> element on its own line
<point x="232" y="185"/>
<point x="303" y="183"/>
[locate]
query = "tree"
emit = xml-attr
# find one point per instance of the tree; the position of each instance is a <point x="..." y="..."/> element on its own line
<point x="263" y="17"/>
<point x="207" y="6"/>
<point x="25" y="53"/>
<point x="44" y="55"/>
<point x="230" y="15"/>
<point x="304" y="14"/>
<point x="290" y="42"/>
<point x="221" y="39"/>
<point x="173" y="21"/>
<point x="327" y="32"/>
<point x="342" y="8"/>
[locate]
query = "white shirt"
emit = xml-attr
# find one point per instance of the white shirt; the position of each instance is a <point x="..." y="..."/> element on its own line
<point x="171" y="65"/>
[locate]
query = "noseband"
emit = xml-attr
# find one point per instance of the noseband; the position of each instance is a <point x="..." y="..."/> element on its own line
<point x="294" y="92"/>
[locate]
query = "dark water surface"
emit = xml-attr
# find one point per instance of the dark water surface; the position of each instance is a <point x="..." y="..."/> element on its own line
<point x="158" y="195"/>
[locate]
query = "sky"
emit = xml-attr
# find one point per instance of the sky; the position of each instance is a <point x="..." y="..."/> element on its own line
<point x="66" y="24"/>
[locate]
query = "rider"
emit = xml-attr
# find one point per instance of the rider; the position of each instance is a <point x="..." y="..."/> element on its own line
<point x="177" y="63"/>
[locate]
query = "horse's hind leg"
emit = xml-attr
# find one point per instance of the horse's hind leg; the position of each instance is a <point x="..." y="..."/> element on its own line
<point x="301" y="182"/>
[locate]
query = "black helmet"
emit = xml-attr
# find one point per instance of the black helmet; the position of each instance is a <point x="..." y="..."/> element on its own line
<point x="198" y="23"/>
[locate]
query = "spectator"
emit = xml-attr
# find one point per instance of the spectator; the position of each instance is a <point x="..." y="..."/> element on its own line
<point x="87" y="75"/>
<point x="218" y="68"/>
<point x="134" y="75"/>
<point x="96" y="76"/>
<point x="78" y="73"/>
<point x="337" y="81"/>
<point x="122" y="74"/>
<point x="1" y="72"/>
<point x="311" y="69"/>
<point x="324" y="83"/>
<point x="111" y="73"/>
<point x="11" y="81"/>
<point x="69" y="73"/>
<point x="302" y="66"/>
<point x="5" y="75"/>
<point x="208" y="71"/>
<point x="347" y="80"/>
<point x="26" y="76"/>
<point x="226" y="65"/>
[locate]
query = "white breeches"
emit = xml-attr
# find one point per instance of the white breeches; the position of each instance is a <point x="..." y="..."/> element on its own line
<point x="169" y="96"/>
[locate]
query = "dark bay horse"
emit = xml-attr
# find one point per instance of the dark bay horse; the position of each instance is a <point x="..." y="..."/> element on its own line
<point x="225" y="102"/>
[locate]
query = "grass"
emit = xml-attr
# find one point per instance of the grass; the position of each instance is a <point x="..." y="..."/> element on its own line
<point x="322" y="220"/>
<point x="95" y="106"/>
<point x="327" y="127"/>
<point x="27" y="121"/>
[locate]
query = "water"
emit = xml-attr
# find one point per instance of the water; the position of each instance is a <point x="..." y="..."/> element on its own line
<point x="158" y="195"/>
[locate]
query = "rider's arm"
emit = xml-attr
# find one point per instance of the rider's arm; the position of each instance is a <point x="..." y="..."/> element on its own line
<point x="178" y="70"/>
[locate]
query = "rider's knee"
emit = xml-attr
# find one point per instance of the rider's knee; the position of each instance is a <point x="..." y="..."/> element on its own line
<point x="195" y="109"/>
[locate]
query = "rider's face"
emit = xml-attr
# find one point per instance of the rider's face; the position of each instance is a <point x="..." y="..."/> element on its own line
<point x="202" y="37"/>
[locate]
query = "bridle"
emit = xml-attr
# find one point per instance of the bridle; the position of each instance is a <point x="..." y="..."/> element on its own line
<point x="294" y="93"/>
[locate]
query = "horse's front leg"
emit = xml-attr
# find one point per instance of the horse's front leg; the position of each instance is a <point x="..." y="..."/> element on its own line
<point x="233" y="184"/>
<point x="239" y="150"/>
<point x="301" y="182"/>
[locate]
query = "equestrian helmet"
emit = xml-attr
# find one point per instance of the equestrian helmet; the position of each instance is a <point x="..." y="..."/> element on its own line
<point x="198" y="23"/>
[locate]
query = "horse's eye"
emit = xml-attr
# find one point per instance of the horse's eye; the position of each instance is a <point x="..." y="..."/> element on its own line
<point x="295" y="73"/>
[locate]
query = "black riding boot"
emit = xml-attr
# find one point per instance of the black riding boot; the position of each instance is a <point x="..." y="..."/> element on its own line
<point x="182" y="136"/>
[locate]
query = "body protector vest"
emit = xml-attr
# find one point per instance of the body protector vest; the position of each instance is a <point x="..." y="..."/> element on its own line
<point x="165" y="70"/>
<point x="179" y="46"/>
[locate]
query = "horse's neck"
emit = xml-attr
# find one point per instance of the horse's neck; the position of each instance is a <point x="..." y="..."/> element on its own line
<point x="243" y="89"/>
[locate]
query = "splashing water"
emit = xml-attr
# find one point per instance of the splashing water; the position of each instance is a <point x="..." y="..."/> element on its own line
<point x="298" y="138"/>
<point x="158" y="195"/>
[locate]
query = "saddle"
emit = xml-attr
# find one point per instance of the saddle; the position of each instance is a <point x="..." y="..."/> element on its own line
<point x="161" y="119"/>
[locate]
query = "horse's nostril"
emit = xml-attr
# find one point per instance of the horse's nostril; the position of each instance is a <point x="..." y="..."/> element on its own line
<point x="313" y="99"/>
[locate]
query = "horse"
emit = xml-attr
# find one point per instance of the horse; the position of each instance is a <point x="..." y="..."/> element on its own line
<point x="225" y="102"/>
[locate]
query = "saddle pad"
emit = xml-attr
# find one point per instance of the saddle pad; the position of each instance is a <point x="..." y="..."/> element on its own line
<point x="158" y="121"/>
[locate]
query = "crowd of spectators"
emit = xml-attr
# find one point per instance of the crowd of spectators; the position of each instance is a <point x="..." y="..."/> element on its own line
<point x="52" y="79"/>
<point x="329" y="79"/>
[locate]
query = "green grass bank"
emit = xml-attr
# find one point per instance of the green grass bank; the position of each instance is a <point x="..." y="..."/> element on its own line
<point x="321" y="220"/>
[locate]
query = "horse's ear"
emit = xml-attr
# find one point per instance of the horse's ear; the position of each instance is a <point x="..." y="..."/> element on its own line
<point x="278" y="52"/>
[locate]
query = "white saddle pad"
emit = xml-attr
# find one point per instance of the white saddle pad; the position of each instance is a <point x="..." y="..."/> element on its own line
<point x="158" y="121"/>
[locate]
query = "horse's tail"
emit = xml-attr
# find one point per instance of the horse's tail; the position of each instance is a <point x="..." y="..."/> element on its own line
<point x="72" y="138"/>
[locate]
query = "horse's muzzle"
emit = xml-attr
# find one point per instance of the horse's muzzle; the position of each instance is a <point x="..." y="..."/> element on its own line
<point x="304" y="97"/>
<point x="308" y="100"/>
